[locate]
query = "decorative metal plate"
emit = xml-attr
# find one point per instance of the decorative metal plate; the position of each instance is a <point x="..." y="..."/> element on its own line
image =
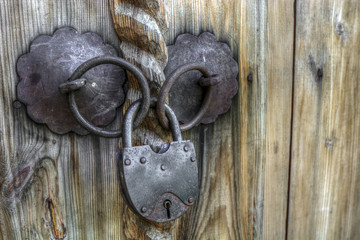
<point x="50" y="62"/>
<point x="186" y="95"/>
<point x="148" y="179"/>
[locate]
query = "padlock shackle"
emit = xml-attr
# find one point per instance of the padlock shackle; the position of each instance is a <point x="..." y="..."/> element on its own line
<point x="129" y="118"/>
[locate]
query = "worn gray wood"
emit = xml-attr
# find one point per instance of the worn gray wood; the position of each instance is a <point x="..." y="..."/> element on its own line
<point x="245" y="154"/>
<point x="324" y="200"/>
<point x="78" y="174"/>
<point x="50" y="183"/>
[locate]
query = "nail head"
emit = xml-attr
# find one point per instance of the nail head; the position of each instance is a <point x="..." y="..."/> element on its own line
<point x="127" y="162"/>
<point x="320" y="73"/>
<point x="250" y="77"/>
<point x="17" y="104"/>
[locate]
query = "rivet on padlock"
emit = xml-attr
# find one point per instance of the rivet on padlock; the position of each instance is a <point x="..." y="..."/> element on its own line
<point x="158" y="186"/>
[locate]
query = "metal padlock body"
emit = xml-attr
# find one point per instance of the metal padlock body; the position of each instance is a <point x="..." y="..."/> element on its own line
<point x="172" y="175"/>
<point x="149" y="179"/>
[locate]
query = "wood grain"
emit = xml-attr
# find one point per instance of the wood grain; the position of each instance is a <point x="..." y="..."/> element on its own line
<point x="54" y="186"/>
<point x="280" y="46"/>
<point x="236" y="178"/>
<point x="325" y="175"/>
<point x="242" y="197"/>
<point x="141" y="26"/>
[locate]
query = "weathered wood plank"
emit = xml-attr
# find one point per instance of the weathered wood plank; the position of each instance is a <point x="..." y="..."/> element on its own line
<point x="48" y="179"/>
<point x="325" y="175"/>
<point x="278" y="116"/>
<point x="242" y="197"/>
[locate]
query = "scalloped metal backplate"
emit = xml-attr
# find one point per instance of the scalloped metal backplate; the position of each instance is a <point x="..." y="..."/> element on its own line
<point x="50" y="62"/>
<point x="186" y="95"/>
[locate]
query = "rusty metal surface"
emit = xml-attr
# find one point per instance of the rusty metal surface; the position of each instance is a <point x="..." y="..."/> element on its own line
<point x="72" y="86"/>
<point x="206" y="80"/>
<point x="133" y="109"/>
<point x="50" y="62"/>
<point x="171" y="175"/>
<point x="186" y="96"/>
<point x="158" y="186"/>
<point x="144" y="103"/>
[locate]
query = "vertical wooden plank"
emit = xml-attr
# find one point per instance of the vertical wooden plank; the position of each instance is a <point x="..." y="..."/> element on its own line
<point x="325" y="176"/>
<point x="53" y="186"/>
<point x="73" y="180"/>
<point x="216" y="213"/>
<point x="278" y="116"/>
<point x="252" y="115"/>
<point x="245" y="154"/>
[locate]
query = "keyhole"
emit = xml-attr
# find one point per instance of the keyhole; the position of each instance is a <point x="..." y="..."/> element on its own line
<point x="167" y="205"/>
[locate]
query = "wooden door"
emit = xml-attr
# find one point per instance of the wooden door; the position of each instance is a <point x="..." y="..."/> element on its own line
<point x="282" y="163"/>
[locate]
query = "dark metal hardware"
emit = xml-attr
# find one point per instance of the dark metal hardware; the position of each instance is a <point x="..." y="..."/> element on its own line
<point x="69" y="63"/>
<point x="186" y="96"/>
<point x="159" y="186"/>
<point x="145" y="101"/>
<point x="72" y="86"/>
<point x="51" y="61"/>
<point x="128" y="122"/>
<point x="163" y="187"/>
<point x="167" y="205"/>
<point x="206" y="80"/>
<point x="210" y="81"/>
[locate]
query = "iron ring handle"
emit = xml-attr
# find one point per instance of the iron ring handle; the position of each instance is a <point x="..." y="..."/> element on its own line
<point x="145" y="104"/>
<point x="160" y="109"/>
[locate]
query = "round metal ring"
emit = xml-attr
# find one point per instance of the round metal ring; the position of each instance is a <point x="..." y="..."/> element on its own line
<point x="131" y="111"/>
<point x="160" y="109"/>
<point x="145" y="104"/>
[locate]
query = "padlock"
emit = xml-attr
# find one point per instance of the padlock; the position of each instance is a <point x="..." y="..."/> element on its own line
<point x="158" y="186"/>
